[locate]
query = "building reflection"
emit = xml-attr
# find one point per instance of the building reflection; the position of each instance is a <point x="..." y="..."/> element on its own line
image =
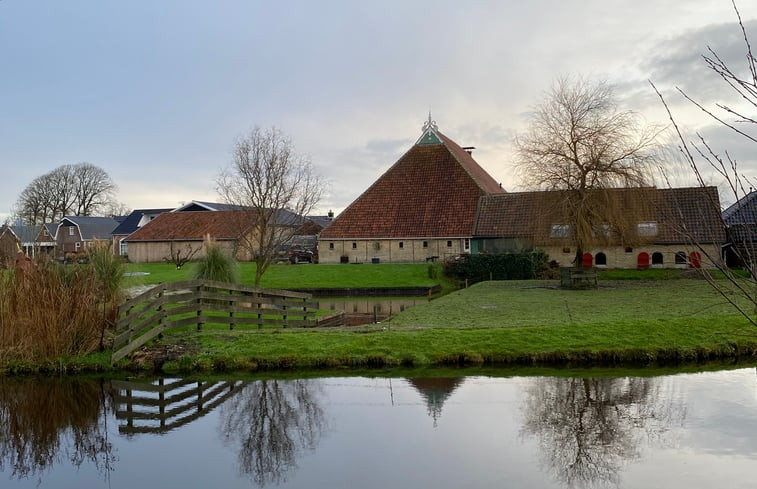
<point x="587" y="429"/>
<point x="434" y="391"/>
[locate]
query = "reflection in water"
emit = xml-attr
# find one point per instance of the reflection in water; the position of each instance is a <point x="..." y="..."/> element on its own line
<point x="588" y="429"/>
<point x="435" y="390"/>
<point x="48" y="420"/>
<point x="271" y="421"/>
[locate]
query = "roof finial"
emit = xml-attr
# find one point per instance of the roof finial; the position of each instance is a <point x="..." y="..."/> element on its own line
<point x="430" y="124"/>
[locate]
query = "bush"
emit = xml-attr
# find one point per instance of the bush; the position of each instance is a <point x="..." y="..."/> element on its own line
<point x="216" y="265"/>
<point x="510" y="266"/>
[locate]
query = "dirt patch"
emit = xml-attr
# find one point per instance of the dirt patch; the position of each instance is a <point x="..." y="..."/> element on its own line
<point x="155" y="356"/>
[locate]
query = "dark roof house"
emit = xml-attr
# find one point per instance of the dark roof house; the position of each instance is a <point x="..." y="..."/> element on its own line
<point x="679" y="215"/>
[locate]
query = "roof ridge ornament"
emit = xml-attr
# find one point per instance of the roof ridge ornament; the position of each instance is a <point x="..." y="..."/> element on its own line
<point x="430" y="124"/>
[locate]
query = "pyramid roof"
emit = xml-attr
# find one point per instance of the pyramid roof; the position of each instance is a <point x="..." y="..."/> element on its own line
<point x="431" y="191"/>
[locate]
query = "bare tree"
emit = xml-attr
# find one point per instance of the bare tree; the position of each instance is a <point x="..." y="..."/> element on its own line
<point x="82" y="189"/>
<point x="179" y="256"/>
<point x="578" y="142"/>
<point x="276" y="184"/>
<point x="739" y="290"/>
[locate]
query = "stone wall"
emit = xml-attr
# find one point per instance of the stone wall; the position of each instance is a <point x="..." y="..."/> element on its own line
<point x="390" y="250"/>
<point x="619" y="257"/>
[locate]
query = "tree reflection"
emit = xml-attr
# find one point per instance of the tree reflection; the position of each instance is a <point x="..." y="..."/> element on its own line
<point x="588" y="429"/>
<point x="272" y="421"/>
<point x="48" y="420"/>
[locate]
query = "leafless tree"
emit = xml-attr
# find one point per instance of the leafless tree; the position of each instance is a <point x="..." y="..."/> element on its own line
<point x="179" y="255"/>
<point x="578" y="142"/>
<point x="700" y="155"/>
<point x="82" y="189"/>
<point x="276" y="184"/>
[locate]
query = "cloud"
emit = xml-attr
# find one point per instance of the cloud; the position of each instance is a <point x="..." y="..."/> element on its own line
<point x="679" y="61"/>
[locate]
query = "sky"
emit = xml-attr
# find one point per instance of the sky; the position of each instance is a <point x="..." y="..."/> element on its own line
<point x="157" y="92"/>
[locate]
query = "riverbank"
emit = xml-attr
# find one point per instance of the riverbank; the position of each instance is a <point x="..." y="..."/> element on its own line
<point x="624" y="322"/>
<point x="514" y="323"/>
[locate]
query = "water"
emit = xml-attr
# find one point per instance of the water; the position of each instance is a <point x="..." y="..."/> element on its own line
<point x="676" y="431"/>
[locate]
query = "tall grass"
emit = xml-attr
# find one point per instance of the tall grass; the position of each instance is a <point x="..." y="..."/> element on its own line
<point x="49" y="312"/>
<point x="216" y="265"/>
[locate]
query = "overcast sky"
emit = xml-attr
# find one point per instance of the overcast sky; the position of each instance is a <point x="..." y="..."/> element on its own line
<point x="156" y="92"/>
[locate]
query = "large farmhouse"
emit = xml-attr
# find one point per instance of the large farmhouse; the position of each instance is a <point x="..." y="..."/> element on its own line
<point x="421" y="209"/>
<point x="678" y="227"/>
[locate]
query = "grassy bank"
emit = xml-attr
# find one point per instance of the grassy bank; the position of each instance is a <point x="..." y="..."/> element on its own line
<point x="303" y="276"/>
<point x="495" y="323"/>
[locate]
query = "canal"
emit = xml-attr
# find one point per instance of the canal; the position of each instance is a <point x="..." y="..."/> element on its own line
<point x="588" y="429"/>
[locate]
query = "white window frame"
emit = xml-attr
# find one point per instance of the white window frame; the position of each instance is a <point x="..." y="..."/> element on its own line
<point x="558" y="231"/>
<point x="648" y="228"/>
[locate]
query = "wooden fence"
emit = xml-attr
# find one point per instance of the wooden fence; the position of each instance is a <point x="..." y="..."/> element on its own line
<point x="202" y="302"/>
<point x="157" y="408"/>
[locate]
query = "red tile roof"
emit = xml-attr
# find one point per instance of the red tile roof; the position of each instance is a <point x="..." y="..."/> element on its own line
<point x="682" y="214"/>
<point x="194" y="225"/>
<point x="431" y="191"/>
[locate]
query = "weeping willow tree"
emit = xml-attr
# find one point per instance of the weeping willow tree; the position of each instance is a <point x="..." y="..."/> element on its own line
<point x="580" y="144"/>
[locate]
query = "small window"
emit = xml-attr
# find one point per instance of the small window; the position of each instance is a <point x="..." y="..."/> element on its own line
<point x="600" y="260"/>
<point x="647" y="228"/>
<point x="354" y="245"/>
<point x="402" y="244"/>
<point x="425" y="244"/>
<point x="78" y="245"/>
<point x="331" y="246"/>
<point x="124" y="247"/>
<point x="680" y="258"/>
<point x="70" y="230"/>
<point x="656" y="258"/>
<point x="566" y="250"/>
<point x="559" y="231"/>
<point x="449" y="243"/>
<point x="466" y="244"/>
<point x="629" y="249"/>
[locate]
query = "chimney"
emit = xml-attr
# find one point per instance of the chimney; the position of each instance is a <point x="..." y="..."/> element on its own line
<point x="331" y="214"/>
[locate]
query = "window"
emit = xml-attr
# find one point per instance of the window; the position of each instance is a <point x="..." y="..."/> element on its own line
<point x="354" y="245"/>
<point x="70" y="230"/>
<point x="680" y="258"/>
<point x="425" y="244"/>
<point x="656" y="258"/>
<point x="559" y="231"/>
<point x="600" y="260"/>
<point x="123" y="248"/>
<point x="629" y="249"/>
<point x="647" y="228"/>
<point x="566" y="250"/>
<point x="449" y="244"/>
<point x="466" y="244"/>
<point x="402" y="244"/>
<point x="78" y="245"/>
<point x="331" y="246"/>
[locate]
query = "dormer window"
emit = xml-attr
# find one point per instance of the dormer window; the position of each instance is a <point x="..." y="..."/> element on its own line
<point x="647" y="228"/>
<point x="559" y="231"/>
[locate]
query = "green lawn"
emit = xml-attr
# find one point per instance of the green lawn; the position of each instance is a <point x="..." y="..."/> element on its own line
<point x="301" y="276"/>
<point x="523" y="323"/>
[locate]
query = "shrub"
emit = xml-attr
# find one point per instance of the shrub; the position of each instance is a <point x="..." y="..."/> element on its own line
<point x="510" y="266"/>
<point x="216" y="265"/>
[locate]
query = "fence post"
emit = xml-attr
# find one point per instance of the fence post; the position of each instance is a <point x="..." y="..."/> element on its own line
<point x="199" y="307"/>
<point x="231" y="313"/>
<point x="284" y="314"/>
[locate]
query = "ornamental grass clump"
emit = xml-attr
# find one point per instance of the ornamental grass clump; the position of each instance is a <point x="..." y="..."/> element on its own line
<point x="216" y="265"/>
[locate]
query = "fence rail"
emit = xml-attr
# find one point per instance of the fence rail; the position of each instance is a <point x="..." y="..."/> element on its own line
<point x="157" y="408"/>
<point x="201" y="302"/>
